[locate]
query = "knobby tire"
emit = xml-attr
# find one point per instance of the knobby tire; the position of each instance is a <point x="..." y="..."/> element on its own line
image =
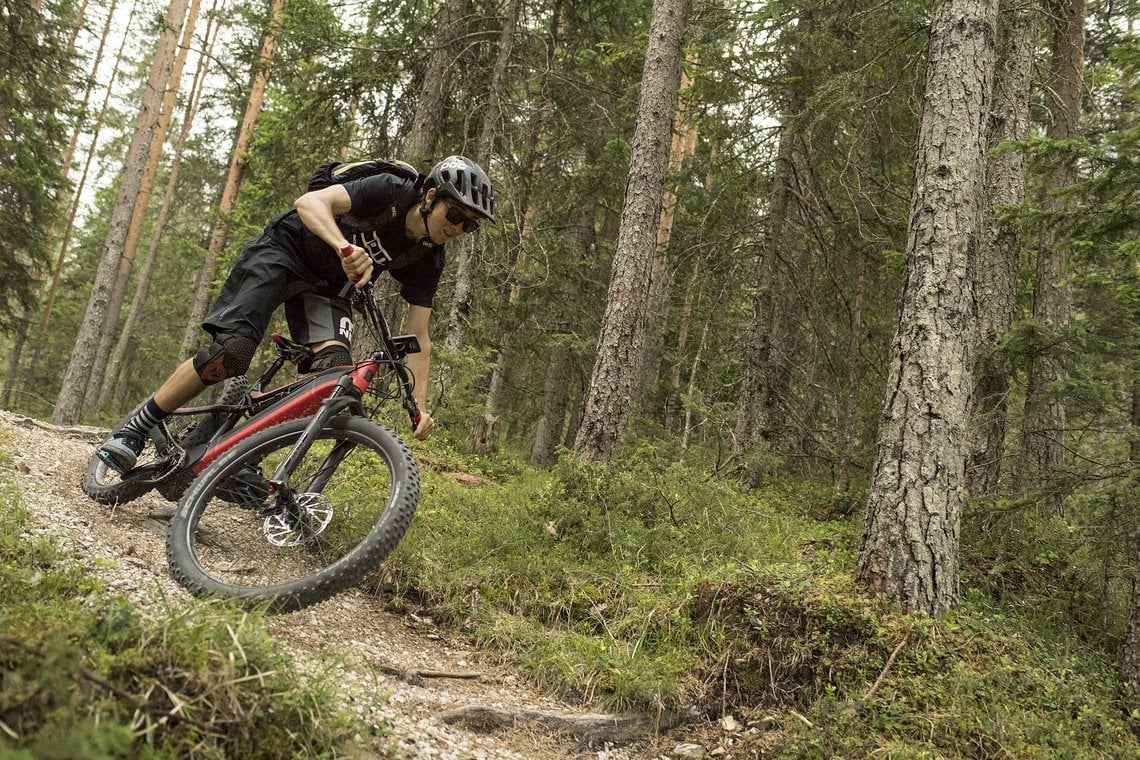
<point x="102" y="484"/>
<point x="229" y="538"/>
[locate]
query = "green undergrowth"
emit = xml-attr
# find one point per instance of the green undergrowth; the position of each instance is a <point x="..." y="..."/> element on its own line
<point x="646" y="584"/>
<point x="85" y="674"/>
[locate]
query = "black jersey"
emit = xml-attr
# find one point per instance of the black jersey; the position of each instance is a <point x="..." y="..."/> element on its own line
<point x="375" y="222"/>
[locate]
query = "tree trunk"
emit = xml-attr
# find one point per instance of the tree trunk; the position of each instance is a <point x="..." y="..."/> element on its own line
<point x="69" y="404"/>
<point x="419" y="143"/>
<point x="684" y="325"/>
<point x="849" y="413"/>
<point x="14" y="353"/>
<point x="1000" y="245"/>
<point x="116" y="364"/>
<point x="621" y="337"/>
<point x="1134" y="443"/>
<point x="91" y="81"/>
<point x="691" y="393"/>
<point x="683" y="146"/>
<point x="142" y="206"/>
<point x="77" y="197"/>
<point x="1130" y="649"/>
<point x="766" y="319"/>
<point x="555" y="392"/>
<point x="510" y="290"/>
<point x="238" y="159"/>
<point x="1042" y="450"/>
<point x="458" y="319"/>
<point x="910" y="545"/>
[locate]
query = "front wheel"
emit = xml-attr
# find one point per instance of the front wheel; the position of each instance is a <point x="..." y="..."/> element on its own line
<point x="352" y="497"/>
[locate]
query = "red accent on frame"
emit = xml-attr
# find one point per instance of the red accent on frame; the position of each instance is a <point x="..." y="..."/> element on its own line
<point x="304" y="404"/>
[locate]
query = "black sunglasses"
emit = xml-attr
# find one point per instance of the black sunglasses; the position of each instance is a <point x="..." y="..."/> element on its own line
<point x="455" y="215"/>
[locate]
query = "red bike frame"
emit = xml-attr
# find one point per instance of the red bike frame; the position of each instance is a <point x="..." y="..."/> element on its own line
<point x="303" y="403"/>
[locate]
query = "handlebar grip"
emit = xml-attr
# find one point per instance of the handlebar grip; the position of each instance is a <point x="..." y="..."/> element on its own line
<point x="344" y="254"/>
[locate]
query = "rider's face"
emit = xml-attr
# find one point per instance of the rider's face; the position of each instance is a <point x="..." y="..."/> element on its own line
<point x="447" y="219"/>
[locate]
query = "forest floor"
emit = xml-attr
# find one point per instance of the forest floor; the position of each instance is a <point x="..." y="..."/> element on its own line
<point x="399" y="671"/>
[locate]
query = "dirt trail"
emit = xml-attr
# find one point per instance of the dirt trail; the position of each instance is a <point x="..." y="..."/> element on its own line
<point x="350" y="634"/>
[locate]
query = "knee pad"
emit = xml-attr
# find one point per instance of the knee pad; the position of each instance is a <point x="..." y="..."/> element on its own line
<point x="227" y="356"/>
<point x="329" y="356"/>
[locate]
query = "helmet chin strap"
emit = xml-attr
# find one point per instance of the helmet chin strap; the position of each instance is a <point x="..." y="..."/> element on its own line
<point x="425" y="211"/>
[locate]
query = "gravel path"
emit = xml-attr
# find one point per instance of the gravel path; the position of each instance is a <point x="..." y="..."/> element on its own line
<point x="350" y="634"/>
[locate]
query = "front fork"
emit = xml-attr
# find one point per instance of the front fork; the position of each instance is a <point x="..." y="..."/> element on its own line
<point x="340" y="398"/>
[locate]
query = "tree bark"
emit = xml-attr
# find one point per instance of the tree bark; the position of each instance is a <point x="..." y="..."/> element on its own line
<point x="1130" y="649"/>
<point x="419" y="143"/>
<point x="69" y="403"/>
<point x="142" y="206"/>
<point x="684" y="326"/>
<point x="14" y="353"/>
<point x="660" y="285"/>
<point x="849" y="412"/>
<point x="76" y="199"/>
<point x="910" y="545"/>
<point x="116" y="365"/>
<point x="1042" y="449"/>
<point x="765" y="324"/>
<point x="238" y="160"/>
<point x="555" y="392"/>
<point x="1000" y="245"/>
<point x="458" y="319"/>
<point x="621" y="338"/>
<point x="510" y="289"/>
<point x="65" y="241"/>
<point x="1134" y="443"/>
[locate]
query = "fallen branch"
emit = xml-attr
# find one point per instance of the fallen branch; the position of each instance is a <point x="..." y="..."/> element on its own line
<point x="886" y="668"/>
<point x="81" y="431"/>
<point x="591" y="726"/>
<point x="413" y="674"/>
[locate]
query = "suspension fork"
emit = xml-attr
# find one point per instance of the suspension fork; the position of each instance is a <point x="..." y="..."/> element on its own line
<point x="373" y="312"/>
<point x="338" y="399"/>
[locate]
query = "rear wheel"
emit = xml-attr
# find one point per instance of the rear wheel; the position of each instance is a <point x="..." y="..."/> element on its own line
<point x="353" y="496"/>
<point x="106" y="486"/>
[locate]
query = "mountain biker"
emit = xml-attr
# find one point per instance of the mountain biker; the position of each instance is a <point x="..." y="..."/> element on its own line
<point x="303" y="259"/>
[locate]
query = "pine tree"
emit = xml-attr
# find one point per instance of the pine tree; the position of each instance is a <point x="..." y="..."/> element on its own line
<point x="910" y="545"/>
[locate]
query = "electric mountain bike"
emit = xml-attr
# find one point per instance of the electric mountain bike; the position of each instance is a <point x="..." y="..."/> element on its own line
<point x="288" y="496"/>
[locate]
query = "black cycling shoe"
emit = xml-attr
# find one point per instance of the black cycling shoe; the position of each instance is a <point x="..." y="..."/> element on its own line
<point x="121" y="451"/>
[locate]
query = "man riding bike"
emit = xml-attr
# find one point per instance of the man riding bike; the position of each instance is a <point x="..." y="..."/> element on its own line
<point x="303" y="259"/>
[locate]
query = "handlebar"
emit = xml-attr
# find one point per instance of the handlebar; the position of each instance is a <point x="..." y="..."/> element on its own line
<point x="365" y="298"/>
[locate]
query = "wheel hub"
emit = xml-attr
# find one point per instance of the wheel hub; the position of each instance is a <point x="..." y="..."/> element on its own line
<point x="312" y="514"/>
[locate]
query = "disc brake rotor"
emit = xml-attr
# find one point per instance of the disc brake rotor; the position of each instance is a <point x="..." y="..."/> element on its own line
<point x="315" y="512"/>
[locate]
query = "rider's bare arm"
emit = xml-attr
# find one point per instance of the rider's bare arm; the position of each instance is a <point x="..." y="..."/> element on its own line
<point x="318" y="210"/>
<point x="419" y="364"/>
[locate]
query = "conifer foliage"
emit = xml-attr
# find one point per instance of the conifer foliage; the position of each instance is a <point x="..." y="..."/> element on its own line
<point x="37" y="91"/>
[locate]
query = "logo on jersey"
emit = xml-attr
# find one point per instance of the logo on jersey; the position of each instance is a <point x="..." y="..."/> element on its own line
<point x="370" y="242"/>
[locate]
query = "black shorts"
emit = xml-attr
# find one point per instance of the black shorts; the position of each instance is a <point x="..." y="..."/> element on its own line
<point x="267" y="275"/>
